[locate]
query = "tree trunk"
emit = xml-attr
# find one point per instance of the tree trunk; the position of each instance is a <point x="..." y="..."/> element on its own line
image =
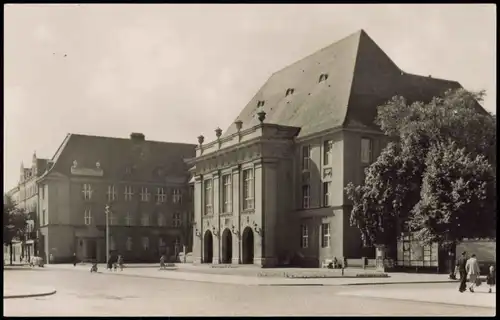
<point x="11" y="253"/>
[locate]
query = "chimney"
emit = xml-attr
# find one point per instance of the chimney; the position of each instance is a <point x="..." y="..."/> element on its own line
<point x="137" y="136"/>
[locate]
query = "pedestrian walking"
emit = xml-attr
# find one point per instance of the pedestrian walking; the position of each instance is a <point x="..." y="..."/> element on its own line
<point x="473" y="272"/>
<point x="162" y="262"/>
<point x="491" y="278"/>
<point x="93" y="268"/>
<point x="110" y="264"/>
<point x="120" y="262"/>
<point x="461" y="263"/>
<point x="75" y="260"/>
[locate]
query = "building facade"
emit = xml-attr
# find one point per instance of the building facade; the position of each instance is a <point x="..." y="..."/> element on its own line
<point x="270" y="190"/>
<point x="145" y="185"/>
<point x="25" y="196"/>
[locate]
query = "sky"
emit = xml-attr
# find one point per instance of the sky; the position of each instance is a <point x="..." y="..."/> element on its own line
<point x="174" y="72"/>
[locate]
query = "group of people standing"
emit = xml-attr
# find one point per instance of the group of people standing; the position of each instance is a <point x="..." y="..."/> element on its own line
<point x="114" y="262"/>
<point x="469" y="268"/>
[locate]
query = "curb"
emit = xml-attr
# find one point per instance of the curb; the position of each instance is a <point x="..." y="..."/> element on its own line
<point x="166" y="278"/>
<point x="272" y="284"/>
<point x="30" y="295"/>
<point x="296" y="285"/>
<point x="421" y="301"/>
<point x="399" y="282"/>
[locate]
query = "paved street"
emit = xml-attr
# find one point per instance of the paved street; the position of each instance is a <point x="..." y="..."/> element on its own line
<point x="85" y="294"/>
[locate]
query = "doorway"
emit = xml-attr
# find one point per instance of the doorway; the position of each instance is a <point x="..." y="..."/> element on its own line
<point x="227" y="246"/>
<point x="208" y="247"/>
<point x="247" y="246"/>
<point x="91" y="249"/>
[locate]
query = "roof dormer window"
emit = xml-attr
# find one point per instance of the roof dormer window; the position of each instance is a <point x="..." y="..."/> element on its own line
<point x="289" y="91"/>
<point x="323" y="77"/>
<point x="260" y="103"/>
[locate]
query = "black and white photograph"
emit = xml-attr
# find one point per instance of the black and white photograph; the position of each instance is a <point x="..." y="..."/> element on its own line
<point x="240" y="160"/>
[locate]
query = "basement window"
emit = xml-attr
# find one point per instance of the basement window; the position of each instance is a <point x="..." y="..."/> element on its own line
<point x="289" y="91"/>
<point x="323" y="77"/>
<point x="260" y="103"/>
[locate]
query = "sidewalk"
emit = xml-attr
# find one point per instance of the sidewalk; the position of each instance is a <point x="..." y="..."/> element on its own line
<point x="182" y="273"/>
<point x="480" y="298"/>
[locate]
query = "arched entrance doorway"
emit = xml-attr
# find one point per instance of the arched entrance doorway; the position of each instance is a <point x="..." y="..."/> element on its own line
<point x="227" y="246"/>
<point x="208" y="247"/>
<point x="247" y="246"/>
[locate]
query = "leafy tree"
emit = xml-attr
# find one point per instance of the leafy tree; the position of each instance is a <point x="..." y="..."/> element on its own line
<point x="392" y="187"/>
<point x="458" y="197"/>
<point x="383" y="201"/>
<point x="14" y="223"/>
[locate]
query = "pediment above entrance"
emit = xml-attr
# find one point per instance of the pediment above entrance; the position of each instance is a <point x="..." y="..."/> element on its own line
<point x="260" y="149"/>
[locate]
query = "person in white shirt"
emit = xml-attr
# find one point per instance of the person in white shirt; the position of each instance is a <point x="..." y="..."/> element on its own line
<point x="472" y="268"/>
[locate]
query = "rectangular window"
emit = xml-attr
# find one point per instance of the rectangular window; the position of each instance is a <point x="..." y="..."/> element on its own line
<point x="411" y="253"/>
<point x="304" y="240"/>
<point x="111" y="193"/>
<point x="306" y="157"/>
<point x="306" y="196"/>
<point x="44" y="217"/>
<point x="325" y="235"/>
<point x="145" y="243"/>
<point x="128" y="219"/>
<point x="87" y="191"/>
<point x="88" y="217"/>
<point x="209" y="197"/>
<point x="145" y="195"/>
<point x="248" y="189"/>
<point x="161" y="197"/>
<point x="42" y="192"/>
<point x="177" y="196"/>
<point x="177" y="245"/>
<point x="327" y="152"/>
<point x="129" y="193"/>
<point x="226" y="194"/>
<point x="112" y="218"/>
<point x="326" y="193"/>
<point x="363" y="173"/>
<point x="177" y="220"/>
<point x="366" y="151"/>
<point x="145" y="220"/>
<point x="161" y="219"/>
<point x="161" y="245"/>
<point x="191" y="192"/>
<point x="128" y="244"/>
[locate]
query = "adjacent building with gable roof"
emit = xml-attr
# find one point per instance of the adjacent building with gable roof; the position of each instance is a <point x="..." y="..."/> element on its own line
<point x="144" y="182"/>
<point x="270" y="189"/>
<point x="25" y="197"/>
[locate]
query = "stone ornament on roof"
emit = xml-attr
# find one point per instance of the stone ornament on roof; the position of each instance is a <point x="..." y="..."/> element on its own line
<point x="80" y="171"/>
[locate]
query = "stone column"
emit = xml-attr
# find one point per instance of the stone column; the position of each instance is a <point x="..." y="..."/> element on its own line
<point x="217" y="223"/>
<point x="258" y="257"/>
<point x="235" y="197"/>
<point x="269" y="194"/>
<point x="198" y="205"/>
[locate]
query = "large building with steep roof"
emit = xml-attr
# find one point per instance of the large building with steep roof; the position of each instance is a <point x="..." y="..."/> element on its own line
<point x="143" y="182"/>
<point x="270" y="189"/>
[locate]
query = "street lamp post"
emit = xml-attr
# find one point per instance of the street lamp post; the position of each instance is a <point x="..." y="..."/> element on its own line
<point x="107" y="233"/>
